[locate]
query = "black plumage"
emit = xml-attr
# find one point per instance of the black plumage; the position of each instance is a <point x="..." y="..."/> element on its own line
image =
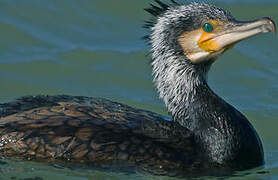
<point x="206" y="135"/>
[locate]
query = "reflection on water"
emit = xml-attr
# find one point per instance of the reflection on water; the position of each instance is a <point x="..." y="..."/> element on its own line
<point x="94" y="48"/>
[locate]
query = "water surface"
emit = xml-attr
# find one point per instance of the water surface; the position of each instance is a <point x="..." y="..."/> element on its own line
<point x="94" y="48"/>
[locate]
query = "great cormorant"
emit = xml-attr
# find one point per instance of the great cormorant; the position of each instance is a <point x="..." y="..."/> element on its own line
<point x="206" y="135"/>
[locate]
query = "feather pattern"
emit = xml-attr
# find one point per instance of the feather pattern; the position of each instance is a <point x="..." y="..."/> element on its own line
<point x="175" y="76"/>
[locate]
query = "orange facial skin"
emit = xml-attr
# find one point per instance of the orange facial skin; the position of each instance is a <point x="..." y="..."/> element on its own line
<point x="206" y="41"/>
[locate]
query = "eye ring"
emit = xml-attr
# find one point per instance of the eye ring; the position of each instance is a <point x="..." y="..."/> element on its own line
<point x="207" y="27"/>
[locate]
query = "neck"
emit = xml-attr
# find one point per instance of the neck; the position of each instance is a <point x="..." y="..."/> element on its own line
<point x="195" y="106"/>
<point x="175" y="77"/>
<point x="178" y="81"/>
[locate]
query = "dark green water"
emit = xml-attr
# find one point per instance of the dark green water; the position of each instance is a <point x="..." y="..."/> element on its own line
<point x="93" y="48"/>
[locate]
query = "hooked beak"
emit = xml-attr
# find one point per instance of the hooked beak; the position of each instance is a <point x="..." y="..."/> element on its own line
<point x="238" y="31"/>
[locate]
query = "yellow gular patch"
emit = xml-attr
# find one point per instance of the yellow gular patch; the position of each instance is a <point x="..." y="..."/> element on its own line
<point x="206" y="41"/>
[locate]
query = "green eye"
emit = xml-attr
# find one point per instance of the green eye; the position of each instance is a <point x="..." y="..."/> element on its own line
<point x="207" y="27"/>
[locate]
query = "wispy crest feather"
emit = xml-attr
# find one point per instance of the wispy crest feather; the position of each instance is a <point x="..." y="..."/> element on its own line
<point x="156" y="10"/>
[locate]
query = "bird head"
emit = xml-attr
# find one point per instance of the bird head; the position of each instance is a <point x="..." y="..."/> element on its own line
<point x="185" y="40"/>
<point x="201" y="32"/>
